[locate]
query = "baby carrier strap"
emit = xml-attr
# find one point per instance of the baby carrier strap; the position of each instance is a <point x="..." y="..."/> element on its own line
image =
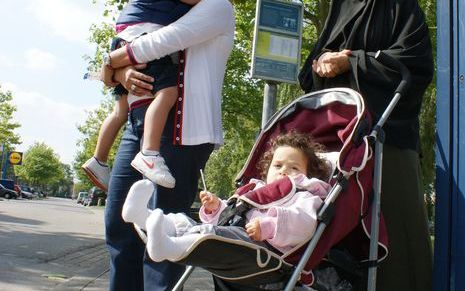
<point x="264" y="197"/>
<point x="245" y="189"/>
<point x="275" y="193"/>
<point x="234" y="213"/>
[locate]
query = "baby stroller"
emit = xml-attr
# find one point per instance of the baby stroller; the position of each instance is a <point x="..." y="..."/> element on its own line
<point x="338" y="119"/>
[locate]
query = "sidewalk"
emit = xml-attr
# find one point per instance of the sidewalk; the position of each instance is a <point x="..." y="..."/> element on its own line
<point x="200" y="280"/>
<point x="92" y="271"/>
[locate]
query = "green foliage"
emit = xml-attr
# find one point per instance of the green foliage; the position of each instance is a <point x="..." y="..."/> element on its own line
<point x="63" y="185"/>
<point x="81" y="187"/>
<point x="242" y="102"/>
<point x="101" y="35"/>
<point x="41" y="166"/>
<point x="7" y="125"/>
<point x="428" y="110"/>
<point x="428" y="117"/>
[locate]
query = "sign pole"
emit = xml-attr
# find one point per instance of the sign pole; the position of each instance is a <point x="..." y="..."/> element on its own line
<point x="269" y="101"/>
<point x="4" y="163"/>
<point x="276" y="48"/>
<point x="2" y="149"/>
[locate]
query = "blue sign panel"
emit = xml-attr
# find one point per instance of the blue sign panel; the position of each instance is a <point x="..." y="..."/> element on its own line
<point x="275" y="69"/>
<point x="280" y="16"/>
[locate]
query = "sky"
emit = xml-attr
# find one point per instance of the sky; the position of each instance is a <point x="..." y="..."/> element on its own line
<point x="42" y="64"/>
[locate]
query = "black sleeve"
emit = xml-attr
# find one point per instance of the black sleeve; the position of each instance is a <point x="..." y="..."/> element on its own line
<point x="410" y="45"/>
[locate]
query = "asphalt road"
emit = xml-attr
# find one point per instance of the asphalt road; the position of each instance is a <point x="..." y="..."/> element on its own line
<point x="39" y="237"/>
<point x="56" y="244"/>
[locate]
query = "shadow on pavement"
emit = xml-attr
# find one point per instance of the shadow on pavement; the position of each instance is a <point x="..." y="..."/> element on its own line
<point x="14" y="219"/>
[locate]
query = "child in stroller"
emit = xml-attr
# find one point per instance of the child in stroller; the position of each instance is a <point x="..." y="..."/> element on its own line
<point x="288" y="217"/>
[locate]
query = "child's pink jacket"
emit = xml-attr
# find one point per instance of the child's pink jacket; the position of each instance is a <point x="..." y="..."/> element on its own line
<point x="284" y="223"/>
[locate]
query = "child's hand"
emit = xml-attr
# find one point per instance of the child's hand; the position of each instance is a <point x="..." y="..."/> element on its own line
<point x="210" y="201"/>
<point x="253" y="229"/>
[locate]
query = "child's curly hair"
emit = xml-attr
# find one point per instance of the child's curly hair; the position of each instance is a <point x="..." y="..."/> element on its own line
<point x="316" y="167"/>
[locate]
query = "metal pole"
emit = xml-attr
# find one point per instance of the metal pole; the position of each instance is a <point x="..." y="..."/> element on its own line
<point x="4" y="163"/>
<point x="183" y="278"/>
<point x="269" y="101"/>
<point x="2" y="146"/>
<point x="376" y="210"/>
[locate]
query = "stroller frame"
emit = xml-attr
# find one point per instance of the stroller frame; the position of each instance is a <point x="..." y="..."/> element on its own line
<point x="376" y="139"/>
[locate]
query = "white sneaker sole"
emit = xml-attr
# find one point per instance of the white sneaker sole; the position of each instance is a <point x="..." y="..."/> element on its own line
<point x="94" y="179"/>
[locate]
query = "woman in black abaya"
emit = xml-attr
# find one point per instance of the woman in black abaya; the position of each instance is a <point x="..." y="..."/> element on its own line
<point x="339" y="59"/>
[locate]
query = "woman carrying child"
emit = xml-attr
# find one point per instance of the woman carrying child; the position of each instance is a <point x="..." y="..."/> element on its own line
<point x="206" y="32"/>
<point x="137" y="18"/>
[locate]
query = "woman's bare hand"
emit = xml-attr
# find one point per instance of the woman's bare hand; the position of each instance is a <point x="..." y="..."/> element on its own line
<point x="253" y="229"/>
<point x="107" y="76"/>
<point x="331" y="64"/>
<point x="210" y="201"/>
<point x="134" y="81"/>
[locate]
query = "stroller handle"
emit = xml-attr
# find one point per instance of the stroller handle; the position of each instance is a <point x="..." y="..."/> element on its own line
<point x="397" y="65"/>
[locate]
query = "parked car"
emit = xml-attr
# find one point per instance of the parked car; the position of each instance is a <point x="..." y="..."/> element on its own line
<point x="26" y="192"/>
<point x="94" y="195"/>
<point x="35" y="193"/>
<point x="81" y="197"/>
<point x="9" y="184"/>
<point x="7" y="193"/>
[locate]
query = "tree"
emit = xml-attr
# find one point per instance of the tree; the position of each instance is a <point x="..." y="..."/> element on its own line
<point x="8" y="138"/>
<point x="41" y="166"/>
<point x="428" y="118"/>
<point x="7" y="126"/>
<point x="63" y="185"/>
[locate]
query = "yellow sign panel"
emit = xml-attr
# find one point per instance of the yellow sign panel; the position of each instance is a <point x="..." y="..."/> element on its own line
<point x="16" y="158"/>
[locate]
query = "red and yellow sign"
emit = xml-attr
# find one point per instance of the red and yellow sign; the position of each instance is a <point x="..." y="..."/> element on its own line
<point x="16" y="158"/>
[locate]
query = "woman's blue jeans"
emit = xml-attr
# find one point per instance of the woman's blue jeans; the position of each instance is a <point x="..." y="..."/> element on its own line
<point x="130" y="268"/>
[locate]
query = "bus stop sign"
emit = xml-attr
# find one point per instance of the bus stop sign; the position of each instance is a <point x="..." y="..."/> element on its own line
<point x="277" y="41"/>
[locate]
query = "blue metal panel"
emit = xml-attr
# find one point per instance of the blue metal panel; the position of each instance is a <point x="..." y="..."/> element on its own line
<point x="450" y="160"/>
<point x="443" y="149"/>
<point x="458" y="225"/>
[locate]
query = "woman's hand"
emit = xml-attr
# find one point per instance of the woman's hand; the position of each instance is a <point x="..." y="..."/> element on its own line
<point x="107" y="76"/>
<point x="209" y="201"/>
<point x="253" y="229"/>
<point x="134" y="81"/>
<point x="331" y="64"/>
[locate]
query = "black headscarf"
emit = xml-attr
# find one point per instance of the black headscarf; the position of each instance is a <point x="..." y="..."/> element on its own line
<point x="398" y="28"/>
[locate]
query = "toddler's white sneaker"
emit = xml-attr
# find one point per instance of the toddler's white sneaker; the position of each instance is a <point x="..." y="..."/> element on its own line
<point x="98" y="173"/>
<point x="154" y="169"/>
